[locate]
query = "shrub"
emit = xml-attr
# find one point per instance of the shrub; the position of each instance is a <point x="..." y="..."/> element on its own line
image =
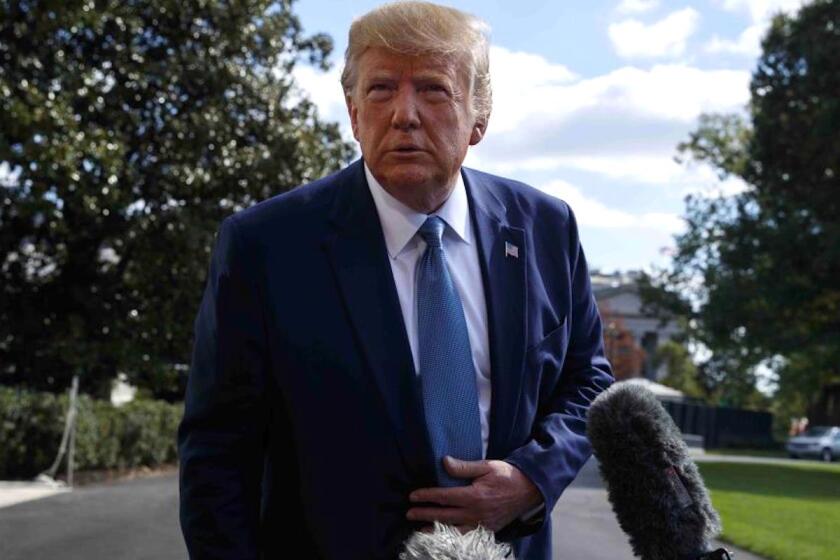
<point x="140" y="433"/>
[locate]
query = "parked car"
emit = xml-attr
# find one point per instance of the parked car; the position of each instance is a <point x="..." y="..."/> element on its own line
<point x="816" y="441"/>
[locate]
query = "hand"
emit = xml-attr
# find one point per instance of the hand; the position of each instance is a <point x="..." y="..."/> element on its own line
<point x="498" y="494"/>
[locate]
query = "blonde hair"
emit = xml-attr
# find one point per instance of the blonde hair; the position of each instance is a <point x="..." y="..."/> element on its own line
<point x="422" y="28"/>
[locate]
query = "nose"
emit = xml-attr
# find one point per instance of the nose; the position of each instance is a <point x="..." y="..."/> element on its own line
<point x="405" y="114"/>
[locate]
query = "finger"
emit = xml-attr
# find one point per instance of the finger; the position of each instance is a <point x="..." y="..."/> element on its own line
<point x="455" y="496"/>
<point x="466" y="469"/>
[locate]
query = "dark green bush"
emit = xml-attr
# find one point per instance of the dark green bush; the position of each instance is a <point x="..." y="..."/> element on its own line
<point x="140" y="433"/>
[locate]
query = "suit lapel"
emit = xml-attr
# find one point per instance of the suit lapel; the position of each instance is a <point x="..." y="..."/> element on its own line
<point x="359" y="258"/>
<point x="357" y="252"/>
<point x="504" y="277"/>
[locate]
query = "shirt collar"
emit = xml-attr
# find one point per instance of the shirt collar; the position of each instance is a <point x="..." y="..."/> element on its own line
<point x="401" y="222"/>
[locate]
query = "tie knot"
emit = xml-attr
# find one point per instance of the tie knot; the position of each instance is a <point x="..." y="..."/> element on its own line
<point x="432" y="231"/>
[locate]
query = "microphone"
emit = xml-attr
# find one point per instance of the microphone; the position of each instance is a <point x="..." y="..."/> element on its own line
<point x="447" y="543"/>
<point x="654" y="487"/>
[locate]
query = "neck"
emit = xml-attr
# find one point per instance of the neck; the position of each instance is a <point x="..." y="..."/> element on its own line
<point x="424" y="197"/>
<point x="423" y="200"/>
<point x="425" y="203"/>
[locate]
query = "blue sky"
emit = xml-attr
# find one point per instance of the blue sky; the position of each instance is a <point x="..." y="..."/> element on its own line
<point x="591" y="99"/>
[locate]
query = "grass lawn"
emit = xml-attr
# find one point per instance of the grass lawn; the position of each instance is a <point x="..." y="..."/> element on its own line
<point x="783" y="512"/>
<point x="780" y="453"/>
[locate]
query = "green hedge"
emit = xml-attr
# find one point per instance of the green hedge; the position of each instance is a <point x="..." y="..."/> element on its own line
<point x="139" y="433"/>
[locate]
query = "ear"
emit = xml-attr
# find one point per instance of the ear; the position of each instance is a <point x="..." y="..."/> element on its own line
<point x="477" y="132"/>
<point x="353" y="111"/>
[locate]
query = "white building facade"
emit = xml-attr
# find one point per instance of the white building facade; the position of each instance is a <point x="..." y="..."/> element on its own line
<point x="620" y="305"/>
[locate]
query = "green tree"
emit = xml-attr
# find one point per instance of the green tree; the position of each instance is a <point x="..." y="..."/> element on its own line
<point x="682" y="373"/>
<point x="128" y="130"/>
<point x="757" y="273"/>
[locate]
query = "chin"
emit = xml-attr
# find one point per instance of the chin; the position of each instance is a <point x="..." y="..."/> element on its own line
<point x="408" y="178"/>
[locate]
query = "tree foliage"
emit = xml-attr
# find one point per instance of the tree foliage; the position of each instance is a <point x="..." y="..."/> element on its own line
<point x="682" y="373"/>
<point x="128" y="130"/>
<point x="758" y="272"/>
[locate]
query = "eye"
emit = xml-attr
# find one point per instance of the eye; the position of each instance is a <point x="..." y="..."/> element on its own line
<point x="378" y="90"/>
<point x="377" y="87"/>
<point x="434" y="88"/>
<point x="435" y="92"/>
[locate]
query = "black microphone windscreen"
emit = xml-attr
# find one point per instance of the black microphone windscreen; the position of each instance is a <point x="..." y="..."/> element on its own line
<point x="654" y="487"/>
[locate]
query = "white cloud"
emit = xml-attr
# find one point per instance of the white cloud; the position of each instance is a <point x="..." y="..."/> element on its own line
<point x="521" y="84"/>
<point x="671" y="91"/>
<point x="702" y="180"/>
<point x="762" y="10"/>
<point x="645" y="168"/>
<point x="664" y="38"/>
<point x="519" y="78"/>
<point x="636" y="6"/>
<point x="324" y="89"/>
<point x="505" y="62"/>
<point x="592" y="213"/>
<point x="624" y="124"/>
<point x="654" y="170"/>
<point x="748" y="42"/>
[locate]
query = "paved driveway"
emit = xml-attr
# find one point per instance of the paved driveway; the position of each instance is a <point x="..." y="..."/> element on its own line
<point x="138" y="520"/>
<point x="585" y="527"/>
<point x="127" y="520"/>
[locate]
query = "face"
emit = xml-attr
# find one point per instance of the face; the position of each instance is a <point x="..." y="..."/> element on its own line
<point x="412" y="117"/>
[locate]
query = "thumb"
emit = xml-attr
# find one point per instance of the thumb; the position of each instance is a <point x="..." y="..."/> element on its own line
<point x="465" y="469"/>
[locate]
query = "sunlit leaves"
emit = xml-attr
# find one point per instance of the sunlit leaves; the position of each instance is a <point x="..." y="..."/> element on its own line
<point x="130" y="130"/>
<point x="762" y="267"/>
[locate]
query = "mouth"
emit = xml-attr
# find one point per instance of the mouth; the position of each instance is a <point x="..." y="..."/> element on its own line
<point x="407" y="149"/>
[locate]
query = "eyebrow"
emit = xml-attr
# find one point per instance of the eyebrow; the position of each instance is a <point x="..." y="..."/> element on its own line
<point x="426" y="76"/>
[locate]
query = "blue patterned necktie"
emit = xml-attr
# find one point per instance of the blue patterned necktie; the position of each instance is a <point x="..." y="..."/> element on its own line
<point x="447" y="374"/>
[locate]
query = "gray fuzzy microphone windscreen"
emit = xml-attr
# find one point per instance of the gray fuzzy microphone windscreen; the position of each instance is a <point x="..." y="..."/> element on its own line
<point x="447" y="543"/>
<point x="654" y="487"/>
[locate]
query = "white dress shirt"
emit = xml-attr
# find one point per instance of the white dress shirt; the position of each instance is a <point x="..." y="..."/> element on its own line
<point x="399" y="226"/>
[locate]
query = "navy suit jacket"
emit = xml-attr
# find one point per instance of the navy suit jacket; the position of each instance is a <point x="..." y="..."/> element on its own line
<point x="303" y="424"/>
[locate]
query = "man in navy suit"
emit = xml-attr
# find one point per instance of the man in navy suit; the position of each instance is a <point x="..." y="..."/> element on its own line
<point x="404" y="341"/>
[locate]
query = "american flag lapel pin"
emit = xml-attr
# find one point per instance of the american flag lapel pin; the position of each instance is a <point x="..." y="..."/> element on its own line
<point x="511" y="250"/>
